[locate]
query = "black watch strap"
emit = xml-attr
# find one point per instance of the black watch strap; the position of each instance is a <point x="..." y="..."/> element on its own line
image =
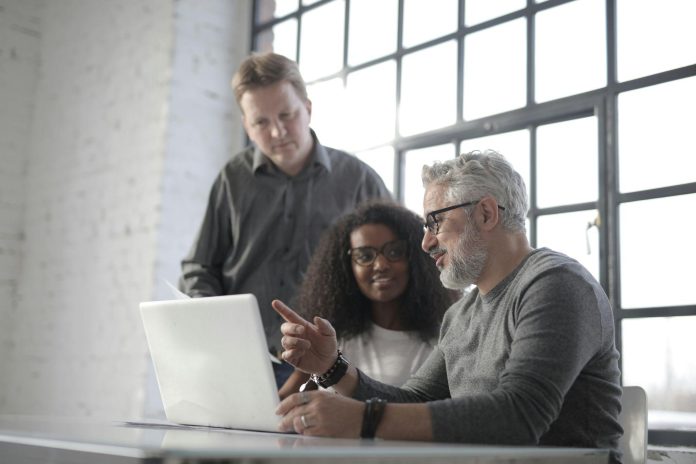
<point x="374" y="410"/>
<point x="334" y="374"/>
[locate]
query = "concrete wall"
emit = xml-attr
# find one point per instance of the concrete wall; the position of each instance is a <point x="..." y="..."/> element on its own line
<point x="128" y="120"/>
<point x="19" y="65"/>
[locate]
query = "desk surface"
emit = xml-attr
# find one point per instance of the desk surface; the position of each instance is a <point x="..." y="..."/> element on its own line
<point x="31" y="439"/>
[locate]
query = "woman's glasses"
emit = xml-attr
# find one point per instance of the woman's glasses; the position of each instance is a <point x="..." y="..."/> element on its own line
<point x="393" y="251"/>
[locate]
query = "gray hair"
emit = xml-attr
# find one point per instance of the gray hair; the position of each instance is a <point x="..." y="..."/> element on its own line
<point x="475" y="175"/>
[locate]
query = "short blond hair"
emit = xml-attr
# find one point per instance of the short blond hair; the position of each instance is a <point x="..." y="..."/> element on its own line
<point x="263" y="69"/>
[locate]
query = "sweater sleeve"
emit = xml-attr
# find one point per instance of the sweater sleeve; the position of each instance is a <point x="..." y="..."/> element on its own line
<point x="427" y="384"/>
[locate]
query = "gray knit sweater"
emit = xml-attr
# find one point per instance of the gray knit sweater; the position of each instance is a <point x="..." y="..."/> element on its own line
<point x="533" y="362"/>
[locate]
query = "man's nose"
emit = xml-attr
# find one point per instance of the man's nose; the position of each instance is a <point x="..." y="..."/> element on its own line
<point x="278" y="129"/>
<point x="429" y="240"/>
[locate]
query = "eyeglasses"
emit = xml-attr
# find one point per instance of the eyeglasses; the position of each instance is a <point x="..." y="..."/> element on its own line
<point x="432" y="223"/>
<point x="393" y="251"/>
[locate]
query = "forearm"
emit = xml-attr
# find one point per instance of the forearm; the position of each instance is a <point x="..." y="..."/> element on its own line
<point x="349" y="383"/>
<point x="406" y="422"/>
<point x="400" y="421"/>
<point x="202" y="267"/>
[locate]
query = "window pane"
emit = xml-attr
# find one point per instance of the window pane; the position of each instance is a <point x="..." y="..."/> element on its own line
<point x="427" y="104"/>
<point x="514" y="146"/>
<point x="570" y="49"/>
<point x="321" y="43"/>
<point x="426" y="20"/>
<point x="572" y="234"/>
<point x="382" y="160"/>
<point x="658" y="355"/>
<point x="414" y="161"/>
<point x="328" y="112"/>
<point x="657" y="265"/>
<point x="478" y="11"/>
<point x="495" y="63"/>
<point x="653" y="36"/>
<point x="366" y="17"/>
<point x="269" y="9"/>
<point x="657" y="141"/>
<point x="282" y="39"/>
<point x="567" y="160"/>
<point x="372" y="100"/>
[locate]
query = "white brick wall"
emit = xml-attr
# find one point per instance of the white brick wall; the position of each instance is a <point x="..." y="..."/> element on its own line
<point x="204" y="130"/>
<point x="131" y="118"/>
<point x="204" y="126"/>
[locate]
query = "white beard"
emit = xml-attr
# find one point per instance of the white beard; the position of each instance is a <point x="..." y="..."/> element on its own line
<point x="466" y="260"/>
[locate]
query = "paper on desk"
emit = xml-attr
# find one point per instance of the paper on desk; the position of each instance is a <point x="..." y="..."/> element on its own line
<point x="179" y="295"/>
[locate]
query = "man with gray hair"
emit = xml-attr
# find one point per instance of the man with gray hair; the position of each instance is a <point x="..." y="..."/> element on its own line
<point x="527" y="357"/>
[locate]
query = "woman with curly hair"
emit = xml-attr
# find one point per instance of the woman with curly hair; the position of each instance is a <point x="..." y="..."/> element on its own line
<point x="380" y="291"/>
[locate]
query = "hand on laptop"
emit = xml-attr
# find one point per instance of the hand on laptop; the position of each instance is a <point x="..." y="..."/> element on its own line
<point x="310" y="347"/>
<point x="321" y="413"/>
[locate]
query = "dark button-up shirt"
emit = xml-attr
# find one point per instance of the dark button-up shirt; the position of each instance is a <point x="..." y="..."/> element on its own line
<point x="261" y="225"/>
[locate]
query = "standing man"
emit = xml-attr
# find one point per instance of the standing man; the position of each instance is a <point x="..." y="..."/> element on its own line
<point x="525" y="358"/>
<point x="271" y="202"/>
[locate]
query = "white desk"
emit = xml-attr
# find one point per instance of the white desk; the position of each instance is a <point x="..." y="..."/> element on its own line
<point x="34" y="440"/>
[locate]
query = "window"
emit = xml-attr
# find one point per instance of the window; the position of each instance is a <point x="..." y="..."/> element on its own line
<point x="593" y="101"/>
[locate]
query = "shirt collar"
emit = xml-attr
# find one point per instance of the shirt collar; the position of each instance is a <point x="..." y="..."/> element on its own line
<point x="319" y="156"/>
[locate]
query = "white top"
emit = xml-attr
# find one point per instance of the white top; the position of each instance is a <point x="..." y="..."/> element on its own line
<point x="390" y="356"/>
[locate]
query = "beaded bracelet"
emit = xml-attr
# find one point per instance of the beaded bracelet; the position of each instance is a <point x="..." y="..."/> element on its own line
<point x="334" y="374"/>
<point x="374" y="409"/>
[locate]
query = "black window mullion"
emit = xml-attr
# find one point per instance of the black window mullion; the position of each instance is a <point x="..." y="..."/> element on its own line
<point x="603" y="103"/>
<point x="533" y="214"/>
<point x="298" y="43"/>
<point x="346" y="24"/>
<point x="399" y="160"/>
<point x="460" y="62"/>
<point x="531" y="55"/>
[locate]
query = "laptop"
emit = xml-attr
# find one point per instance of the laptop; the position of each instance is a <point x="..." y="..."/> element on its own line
<point x="211" y="362"/>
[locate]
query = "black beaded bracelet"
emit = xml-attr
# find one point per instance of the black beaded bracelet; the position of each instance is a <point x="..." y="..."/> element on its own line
<point x="334" y="374"/>
<point x="374" y="409"/>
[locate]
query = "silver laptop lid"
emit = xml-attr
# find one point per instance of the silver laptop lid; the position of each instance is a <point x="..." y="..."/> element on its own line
<point x="211" y="361"/>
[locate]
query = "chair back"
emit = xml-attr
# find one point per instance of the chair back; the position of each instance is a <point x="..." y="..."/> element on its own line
<point x="634" y="420"/>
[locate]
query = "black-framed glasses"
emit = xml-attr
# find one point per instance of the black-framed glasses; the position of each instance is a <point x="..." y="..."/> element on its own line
<point x="432" y="222"/>
<point x="393" y="251"/>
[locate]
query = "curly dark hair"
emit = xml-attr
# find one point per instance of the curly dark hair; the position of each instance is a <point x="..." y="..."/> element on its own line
<point x="329" y="289"/>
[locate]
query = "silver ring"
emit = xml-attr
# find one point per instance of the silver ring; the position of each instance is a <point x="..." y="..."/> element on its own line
<point x="303" y="419"/>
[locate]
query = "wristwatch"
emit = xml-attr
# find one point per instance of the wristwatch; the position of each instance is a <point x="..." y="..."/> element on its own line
<point x="334" y="374"/>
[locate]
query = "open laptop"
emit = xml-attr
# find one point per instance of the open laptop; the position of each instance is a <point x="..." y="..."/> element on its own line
<point x="211" y="362"/>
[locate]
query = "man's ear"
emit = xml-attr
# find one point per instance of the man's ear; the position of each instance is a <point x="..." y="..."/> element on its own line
<point x="308" y="105"/>
<point x="490" y="214"/>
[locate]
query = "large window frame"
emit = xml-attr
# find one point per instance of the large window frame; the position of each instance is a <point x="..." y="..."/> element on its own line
<point x="601" y="103"/>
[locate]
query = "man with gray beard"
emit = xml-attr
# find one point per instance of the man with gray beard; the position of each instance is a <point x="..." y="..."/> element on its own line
<point x="527" y="357"/>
